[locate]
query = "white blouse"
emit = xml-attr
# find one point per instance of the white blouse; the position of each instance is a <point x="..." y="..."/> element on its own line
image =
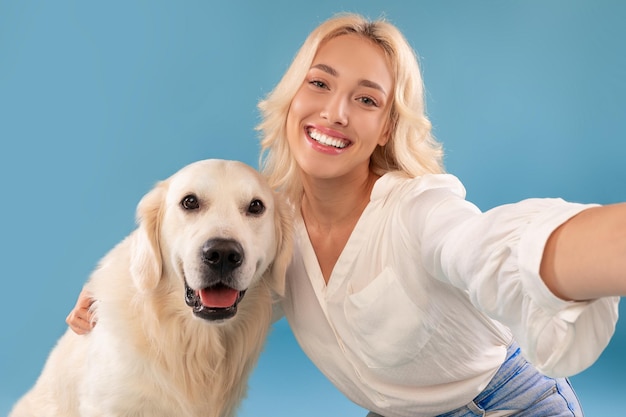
<point x="427" y="294"/>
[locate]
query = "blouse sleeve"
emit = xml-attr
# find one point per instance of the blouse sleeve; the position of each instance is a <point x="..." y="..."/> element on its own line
<point x="495" y="257"/>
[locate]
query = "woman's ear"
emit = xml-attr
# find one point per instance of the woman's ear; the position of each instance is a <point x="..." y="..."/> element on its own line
<point x="145" y="260"/>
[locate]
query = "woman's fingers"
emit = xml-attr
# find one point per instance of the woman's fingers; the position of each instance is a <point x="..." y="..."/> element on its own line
<point x="80" y="319"/>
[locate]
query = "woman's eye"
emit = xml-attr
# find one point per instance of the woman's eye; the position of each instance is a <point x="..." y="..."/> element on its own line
<point x="368" y="101"/>
<point x="256" y="207"/>
<point x="190" y="202"/>
<point x="318" y="84"/>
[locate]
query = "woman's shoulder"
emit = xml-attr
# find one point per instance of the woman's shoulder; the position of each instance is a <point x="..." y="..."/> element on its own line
<point x="398" y="184"/>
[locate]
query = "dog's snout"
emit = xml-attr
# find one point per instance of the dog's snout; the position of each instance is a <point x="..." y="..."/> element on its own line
<point x="222" y="254"/>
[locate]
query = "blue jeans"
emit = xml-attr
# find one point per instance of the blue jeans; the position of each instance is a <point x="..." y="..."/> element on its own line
<point x="519" y="390"/>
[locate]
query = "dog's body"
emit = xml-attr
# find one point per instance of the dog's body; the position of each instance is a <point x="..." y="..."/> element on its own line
<point x="171" y="338"/>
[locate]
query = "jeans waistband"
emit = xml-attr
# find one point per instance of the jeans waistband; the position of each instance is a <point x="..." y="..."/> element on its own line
<point x="512" y="365"/>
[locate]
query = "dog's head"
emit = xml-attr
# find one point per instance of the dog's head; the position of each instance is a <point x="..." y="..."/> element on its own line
<point x="218" y="228"/>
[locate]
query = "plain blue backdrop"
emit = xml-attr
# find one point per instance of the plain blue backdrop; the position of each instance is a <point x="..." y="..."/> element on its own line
<point x="99" y="100"/>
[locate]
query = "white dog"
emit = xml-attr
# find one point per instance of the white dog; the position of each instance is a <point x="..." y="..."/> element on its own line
<point x="183" y="303"/>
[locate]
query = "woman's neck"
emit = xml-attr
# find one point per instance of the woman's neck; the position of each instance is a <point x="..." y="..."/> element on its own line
<point x="331" y="210"/>
<point x="327" y="204"/>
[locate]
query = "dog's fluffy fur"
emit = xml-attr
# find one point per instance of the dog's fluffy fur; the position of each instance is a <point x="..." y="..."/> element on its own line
<point x="150" y="353"/>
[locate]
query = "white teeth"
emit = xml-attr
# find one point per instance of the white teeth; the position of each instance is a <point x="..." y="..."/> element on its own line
<point x="327" y="140"/>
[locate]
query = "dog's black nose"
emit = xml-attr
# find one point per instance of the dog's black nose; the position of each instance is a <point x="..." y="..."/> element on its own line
<point x="222" y="254"/>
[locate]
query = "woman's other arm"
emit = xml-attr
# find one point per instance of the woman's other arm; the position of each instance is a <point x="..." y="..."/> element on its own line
<point x="80" y="318"/>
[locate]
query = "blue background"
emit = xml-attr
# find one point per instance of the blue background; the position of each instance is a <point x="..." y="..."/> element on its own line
<point x="99" y="100"/>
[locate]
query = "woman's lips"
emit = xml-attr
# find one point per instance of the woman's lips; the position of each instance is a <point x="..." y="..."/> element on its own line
<point x="326" y="141"/>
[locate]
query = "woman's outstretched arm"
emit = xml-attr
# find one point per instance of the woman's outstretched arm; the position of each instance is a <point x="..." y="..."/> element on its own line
<point x="585" y="257"/>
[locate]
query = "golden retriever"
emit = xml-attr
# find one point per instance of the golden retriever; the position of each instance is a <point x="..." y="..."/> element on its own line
<point x="183" y="305"/>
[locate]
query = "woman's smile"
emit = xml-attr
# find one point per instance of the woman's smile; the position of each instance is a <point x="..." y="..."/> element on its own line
<point x="327" y="140"/>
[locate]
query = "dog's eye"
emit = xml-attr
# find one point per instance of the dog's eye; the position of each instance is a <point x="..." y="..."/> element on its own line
<point x="256" y="207"/>
<point x="190" y="202"/>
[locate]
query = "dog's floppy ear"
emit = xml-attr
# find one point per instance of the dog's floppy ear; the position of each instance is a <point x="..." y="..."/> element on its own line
<point x="145" y="260"/>
<point x="283" y="221"/>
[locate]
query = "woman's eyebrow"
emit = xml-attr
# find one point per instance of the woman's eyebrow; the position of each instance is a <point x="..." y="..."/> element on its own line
<point x="372" y="84"/>
<point x="326" y="68"/>
<point x="365" y="83"/>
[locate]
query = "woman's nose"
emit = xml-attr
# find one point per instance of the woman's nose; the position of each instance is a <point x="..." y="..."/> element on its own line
<point x="336" y="111"/>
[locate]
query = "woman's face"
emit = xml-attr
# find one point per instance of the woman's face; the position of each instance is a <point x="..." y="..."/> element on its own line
<point x="340" y="112"/>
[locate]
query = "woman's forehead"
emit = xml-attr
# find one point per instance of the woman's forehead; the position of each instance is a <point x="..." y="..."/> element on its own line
<point x="353" y="55"/>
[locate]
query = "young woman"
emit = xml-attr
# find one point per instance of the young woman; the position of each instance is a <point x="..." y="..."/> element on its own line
<point x="407" y="297"/>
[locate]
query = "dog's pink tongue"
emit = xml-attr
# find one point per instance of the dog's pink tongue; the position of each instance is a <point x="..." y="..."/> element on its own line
<point x="218" y="297"/>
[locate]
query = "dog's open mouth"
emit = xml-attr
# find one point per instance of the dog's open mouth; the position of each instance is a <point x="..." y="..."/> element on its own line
<point x="217" y="302"/>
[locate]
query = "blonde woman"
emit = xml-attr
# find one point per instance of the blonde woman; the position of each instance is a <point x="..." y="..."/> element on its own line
<point x="407" y="297"/>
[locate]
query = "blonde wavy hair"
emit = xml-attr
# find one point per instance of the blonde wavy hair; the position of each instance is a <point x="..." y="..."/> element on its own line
<point x="411" y="148"/>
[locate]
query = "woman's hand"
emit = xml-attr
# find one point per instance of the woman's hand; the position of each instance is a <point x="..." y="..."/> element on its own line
<point x="80" y="318"/>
